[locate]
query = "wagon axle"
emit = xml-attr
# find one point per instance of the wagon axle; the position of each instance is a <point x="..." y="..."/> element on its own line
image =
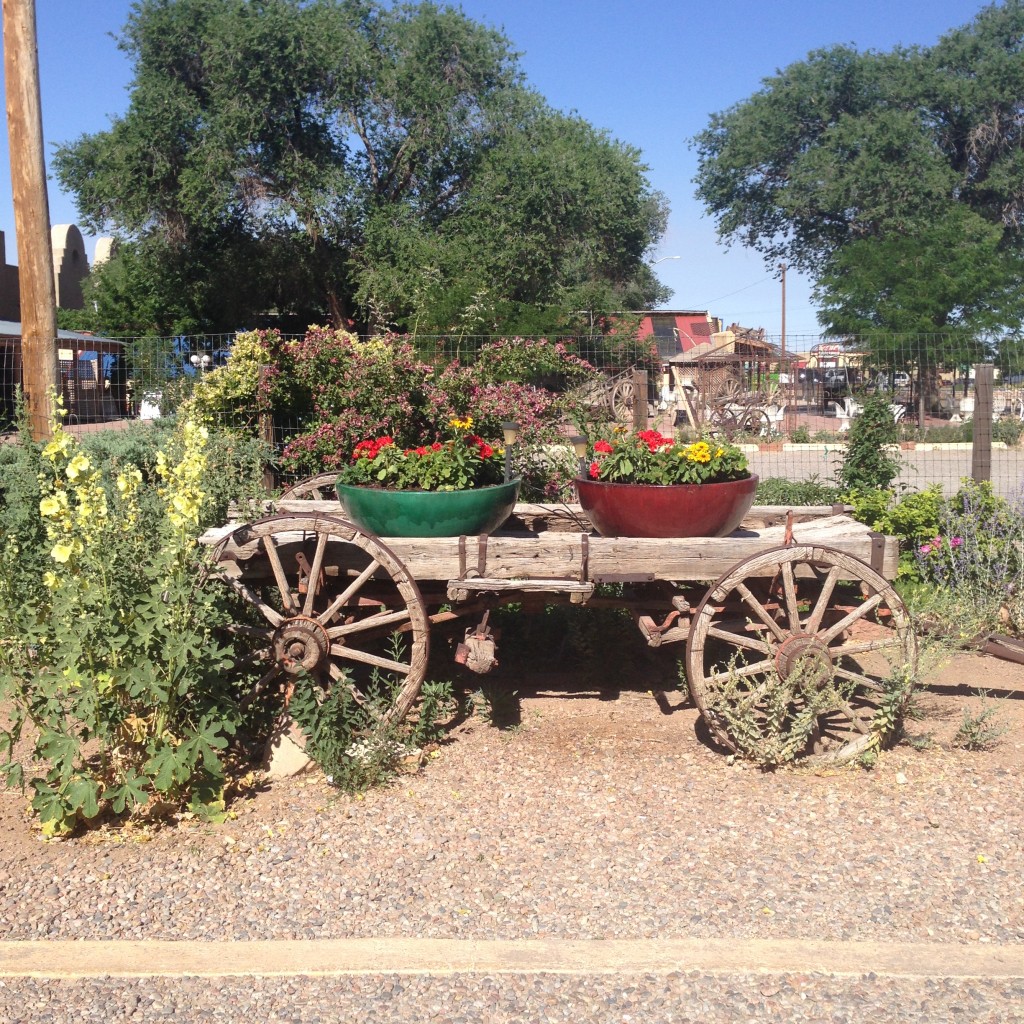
<point x="301" y="645"/>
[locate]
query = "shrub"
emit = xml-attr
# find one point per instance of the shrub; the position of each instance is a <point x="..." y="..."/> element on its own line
<point x="975" y="564"/>
<point x="913" y="519"/>
<point x="107" y="638"/>
<point x="778" y="491"/>
<point x="868" y="462"/>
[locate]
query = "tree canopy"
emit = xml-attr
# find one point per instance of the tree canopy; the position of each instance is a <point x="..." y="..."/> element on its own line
<point x="895" y="180"/>
<point x="352" y="160"/>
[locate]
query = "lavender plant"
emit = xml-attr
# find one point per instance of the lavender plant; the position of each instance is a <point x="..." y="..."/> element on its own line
<point x="976" y="562"/>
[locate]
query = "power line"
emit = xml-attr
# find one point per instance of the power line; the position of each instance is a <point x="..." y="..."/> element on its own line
<point x="738" y="290"/>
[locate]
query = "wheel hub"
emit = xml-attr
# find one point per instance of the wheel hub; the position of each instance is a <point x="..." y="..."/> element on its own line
<point x="807" y="657"/>
<point x="301" y="644"/>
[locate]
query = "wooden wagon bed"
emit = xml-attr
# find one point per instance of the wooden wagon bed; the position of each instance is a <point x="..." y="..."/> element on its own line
<point x="548" y="543"/>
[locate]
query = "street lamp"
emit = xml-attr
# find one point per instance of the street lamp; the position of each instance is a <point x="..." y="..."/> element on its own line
<point x="663" y="258"/>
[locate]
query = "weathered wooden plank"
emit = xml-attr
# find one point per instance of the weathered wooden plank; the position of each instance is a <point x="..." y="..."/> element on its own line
<point x="560" y="555"/>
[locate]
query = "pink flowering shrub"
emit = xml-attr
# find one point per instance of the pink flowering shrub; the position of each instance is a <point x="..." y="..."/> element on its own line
<point x="341" y="390"/>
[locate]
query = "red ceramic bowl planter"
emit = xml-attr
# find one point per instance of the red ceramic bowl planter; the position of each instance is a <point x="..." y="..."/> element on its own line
<point x="655" y="510"/>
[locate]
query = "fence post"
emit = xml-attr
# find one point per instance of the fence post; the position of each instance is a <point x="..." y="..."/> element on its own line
<point x="266" y="427"/>
<point x="981" y="451"/>
<point x="639" y="399"/>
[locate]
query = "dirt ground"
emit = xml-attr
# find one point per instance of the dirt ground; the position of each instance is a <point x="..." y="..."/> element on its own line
<point x="598" y="711"/>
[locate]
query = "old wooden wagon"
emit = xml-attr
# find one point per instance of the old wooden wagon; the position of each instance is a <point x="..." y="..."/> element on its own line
<point x="790" y="619"/>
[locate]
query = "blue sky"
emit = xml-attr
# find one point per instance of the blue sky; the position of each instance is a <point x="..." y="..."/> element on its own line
<point x="650" y="72"/>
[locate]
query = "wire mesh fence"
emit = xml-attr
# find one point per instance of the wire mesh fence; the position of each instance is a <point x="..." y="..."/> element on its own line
<point x="791" y="402"/>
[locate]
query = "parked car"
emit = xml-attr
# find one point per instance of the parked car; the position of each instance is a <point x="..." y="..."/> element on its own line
<point x="837" y="382"/>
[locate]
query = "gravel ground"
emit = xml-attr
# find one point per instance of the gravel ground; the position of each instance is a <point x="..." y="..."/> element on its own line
<point x="600" y="816"/>
<point x="691" y="998"/>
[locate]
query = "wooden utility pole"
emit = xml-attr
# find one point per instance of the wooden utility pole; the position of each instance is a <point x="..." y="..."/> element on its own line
<point x="31" y="214"/>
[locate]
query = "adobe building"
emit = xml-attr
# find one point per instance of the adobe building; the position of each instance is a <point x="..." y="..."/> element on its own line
<point x="70" y="269"/>
<point x="10" y="303"/>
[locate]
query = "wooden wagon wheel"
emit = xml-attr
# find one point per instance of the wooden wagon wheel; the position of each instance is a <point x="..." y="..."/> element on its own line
<point x="723" y="418"/>
<point x="803" y="645"/>
<point x="319" y="487"/>
<point x="729" y="389"/>
<point x="756" y="423"/>
<point x="622" y="399"/>
<point x="328" y="602"/>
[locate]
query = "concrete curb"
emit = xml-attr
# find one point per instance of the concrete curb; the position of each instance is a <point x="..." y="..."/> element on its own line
<point x="441" y="957"/>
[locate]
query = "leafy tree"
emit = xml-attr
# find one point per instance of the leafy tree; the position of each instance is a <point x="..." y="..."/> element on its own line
<point x="895" y="179"/>
<point x="304" y="160"/>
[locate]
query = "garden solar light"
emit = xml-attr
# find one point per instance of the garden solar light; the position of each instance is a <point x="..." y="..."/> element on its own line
<point x="510" y="432"/>
<point x="579" y="446"/>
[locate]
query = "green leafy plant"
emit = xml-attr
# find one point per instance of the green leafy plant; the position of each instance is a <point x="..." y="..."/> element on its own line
<point x="913" y="518"/>
<point x="771" y="725"/>
<point x="347" y="739"/>
<point x="649" y="457"/>
<point x="979" y="731"/>
<point x="778" y="491"/>
<point x="869" y="460"/>
<point x="456" y="464"/>
<point x="110" y="661"/>
<point x="972" y="567"/>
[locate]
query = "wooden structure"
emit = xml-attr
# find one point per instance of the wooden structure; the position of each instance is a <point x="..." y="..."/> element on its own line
<point x="803" y="610"/>
<point x="88" y="392"/>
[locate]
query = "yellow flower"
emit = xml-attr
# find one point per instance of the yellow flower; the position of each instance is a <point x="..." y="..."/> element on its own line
<point x="129" y="481"/>
<point x="699" y="452"/>
<point x="461" y="424"/>
<point x="78" y="466"/>
<point x="58" y="446"/>
<point x="50" y="507"/>
<point x="61" y="552"/>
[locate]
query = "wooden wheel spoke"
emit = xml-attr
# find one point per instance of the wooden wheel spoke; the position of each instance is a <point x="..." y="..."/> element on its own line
<point x="314" y="573"/>
<point x="739" y="639"/>
<point x="760" y="611"/>
<point x="291" y="606"/>
<point x="365" y="658"/>
<point x="244" y="629"/>
<point x="369" y="623"/>
<point x="350" y="591"/>
<point x="741" y="671"/>
<point x="893" y="640"/>
<point x="859" y="678"/>
<point x="264" y="681"/>
<point x="869" y="605"/>
<point x="789" y="590"/>
<point x="339" y="676"/>
<point x="827" y="589"/>
<point x="856" y="721"/>
<point x="274" y="617"/>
